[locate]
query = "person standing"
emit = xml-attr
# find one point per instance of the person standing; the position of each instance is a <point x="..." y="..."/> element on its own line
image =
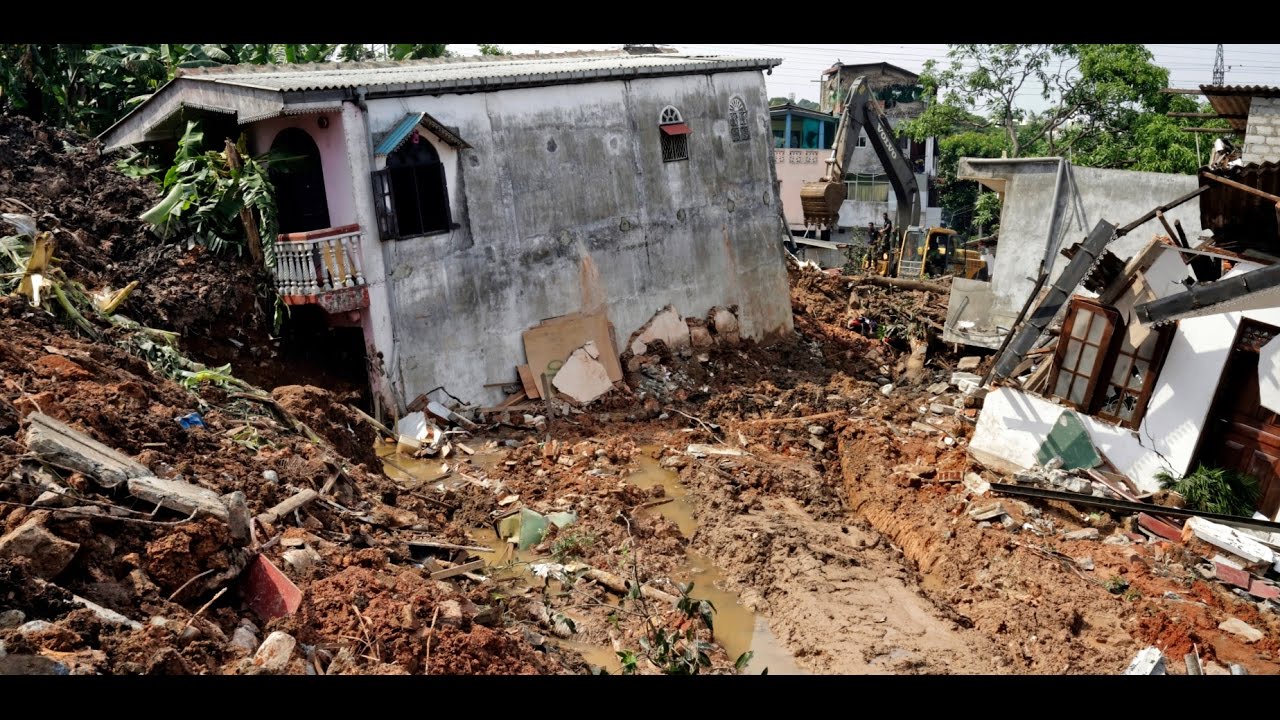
<point x="988" y="255"/>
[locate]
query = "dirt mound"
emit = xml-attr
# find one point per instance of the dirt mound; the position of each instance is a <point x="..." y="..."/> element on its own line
<point x="335" y="421"/>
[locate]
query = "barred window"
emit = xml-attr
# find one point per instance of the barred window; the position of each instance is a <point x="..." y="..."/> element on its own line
<point x="738" y="120"/>
<point x="674" y="135"/>
<point x="867" y="188"/>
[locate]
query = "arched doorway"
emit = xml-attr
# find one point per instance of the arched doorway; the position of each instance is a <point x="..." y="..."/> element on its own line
<point x="299" y="182"/>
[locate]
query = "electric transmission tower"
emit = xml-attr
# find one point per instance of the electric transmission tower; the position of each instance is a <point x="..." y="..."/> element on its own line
<point x="1219" y="68"/>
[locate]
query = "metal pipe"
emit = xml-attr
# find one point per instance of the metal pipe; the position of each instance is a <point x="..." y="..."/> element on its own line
<point x="1011" y="161"/>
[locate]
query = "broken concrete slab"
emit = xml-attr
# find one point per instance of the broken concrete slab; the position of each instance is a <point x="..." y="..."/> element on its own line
<point x="1089" y="533"/>
<point x="1238" y="627"/>
<point x="180" y="496"/>
<point x="700" y="336"/>
<point x="1229" y="539"/>
<point x="275" y="652"/>
<point x="1084" y="562"/>
<point x="47" y="553"/>
<point x="1149" y="661"/>
<point x="969" y="363"/>
<point x="666" y="325"/>
<point x="583" y="377"/>
<point x="59" y="444"/>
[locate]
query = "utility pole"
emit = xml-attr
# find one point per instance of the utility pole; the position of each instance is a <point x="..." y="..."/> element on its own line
<point x="1219" y="68"/>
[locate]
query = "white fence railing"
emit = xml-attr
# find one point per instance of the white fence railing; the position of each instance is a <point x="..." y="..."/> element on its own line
<point x="318" y="265"/>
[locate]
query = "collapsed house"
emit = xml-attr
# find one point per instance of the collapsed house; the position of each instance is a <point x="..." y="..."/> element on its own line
<point x="445" y="207"/>
<point x="1152" y="359"/>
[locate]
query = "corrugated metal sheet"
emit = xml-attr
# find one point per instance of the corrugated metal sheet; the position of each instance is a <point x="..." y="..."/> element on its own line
<point x="470" y="73"/>
<point x="1235" y="100"/>
<point x="1242" y="221"/>
<point x="386" y="143"/>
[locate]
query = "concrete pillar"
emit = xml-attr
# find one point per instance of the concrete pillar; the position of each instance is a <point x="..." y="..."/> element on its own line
<point x="376" y="319"/>
<point x="787" y="144"/>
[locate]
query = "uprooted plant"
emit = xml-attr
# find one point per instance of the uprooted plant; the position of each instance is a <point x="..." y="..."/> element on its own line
<point x="1215" y="490"/>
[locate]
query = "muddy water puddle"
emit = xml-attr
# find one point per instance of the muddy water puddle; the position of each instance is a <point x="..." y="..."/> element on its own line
<point x="737" y="629"/>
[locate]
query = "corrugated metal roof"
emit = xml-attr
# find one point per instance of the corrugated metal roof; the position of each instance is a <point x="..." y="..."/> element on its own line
<point x="1235" y="100"/>
<point x="386" y="143"/>
<point x="1239" y="220"/>
<point x="458" y="74"/>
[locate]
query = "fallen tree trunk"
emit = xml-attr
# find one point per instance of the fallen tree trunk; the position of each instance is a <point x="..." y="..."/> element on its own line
<point x="904" y="284"/>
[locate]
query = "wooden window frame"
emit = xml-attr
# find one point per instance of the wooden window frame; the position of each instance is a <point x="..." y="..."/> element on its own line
<point x="1154" y="365"/>
<point x="388" y="213"/>
<point x="1104" y="352"/>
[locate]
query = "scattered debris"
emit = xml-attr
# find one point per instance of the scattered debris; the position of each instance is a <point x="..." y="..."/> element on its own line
<point x="1236" y="626"/>
<point x="1149" y="661"/>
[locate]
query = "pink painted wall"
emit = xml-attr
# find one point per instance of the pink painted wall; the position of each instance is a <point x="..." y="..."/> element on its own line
<point x="333" y="157"/>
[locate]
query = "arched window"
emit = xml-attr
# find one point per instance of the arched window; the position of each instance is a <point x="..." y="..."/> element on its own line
<point x="411" y="193"/>
<point x="674" y="135"/>
<point x="298" y="177"/>
<point x="738" y="120"/>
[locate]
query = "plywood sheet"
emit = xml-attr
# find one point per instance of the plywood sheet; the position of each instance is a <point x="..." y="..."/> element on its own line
<point x="549" y="344"/>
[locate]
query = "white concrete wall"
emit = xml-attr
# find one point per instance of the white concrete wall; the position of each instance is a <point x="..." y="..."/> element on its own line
<point x="1013" y="424"/>
<point x="565" y="185"/>
<point x="333" y="157"/>
<point x="795" y="168"/>
<point x="1088" y="195"/>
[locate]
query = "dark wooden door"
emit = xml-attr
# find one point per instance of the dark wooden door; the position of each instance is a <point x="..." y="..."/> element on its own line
<point x="1242" y="434"/>
<point x="298" y="177"/>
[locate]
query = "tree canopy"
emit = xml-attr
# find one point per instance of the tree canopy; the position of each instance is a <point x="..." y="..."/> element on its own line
<point x="1097" y="105"/>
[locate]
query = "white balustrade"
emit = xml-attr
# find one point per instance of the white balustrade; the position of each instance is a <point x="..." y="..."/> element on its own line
<point x="319" y="265"/>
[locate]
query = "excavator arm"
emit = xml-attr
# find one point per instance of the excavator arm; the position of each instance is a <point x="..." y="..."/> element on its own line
<point x="821" y="200"/>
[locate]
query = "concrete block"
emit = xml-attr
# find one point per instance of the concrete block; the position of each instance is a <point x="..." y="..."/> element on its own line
<point x="275" y="652"/>
<point x="47" y="553"/>
<point x="667" y="326"/>
<point x="180" y="496"/>
<point x="725" y="324"/>
<point x="700" y="337"/>
<point x="969" y="364"/>
<point x="1240" y="628"/>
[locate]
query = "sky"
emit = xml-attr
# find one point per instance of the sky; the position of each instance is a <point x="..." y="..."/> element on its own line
<point x="1189" y="65"/>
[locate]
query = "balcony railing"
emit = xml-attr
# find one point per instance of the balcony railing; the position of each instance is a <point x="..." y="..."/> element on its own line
<point x="323" y="267"/>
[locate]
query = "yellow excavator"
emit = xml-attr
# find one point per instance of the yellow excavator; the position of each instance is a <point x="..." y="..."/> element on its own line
<point x="919" y="250"/>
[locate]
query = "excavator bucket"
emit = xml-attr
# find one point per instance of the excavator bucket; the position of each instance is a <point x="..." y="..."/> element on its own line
<point x="821" y="202"/>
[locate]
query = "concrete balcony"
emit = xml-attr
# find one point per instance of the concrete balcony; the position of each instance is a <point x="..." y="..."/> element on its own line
<point x="322" y="267"/>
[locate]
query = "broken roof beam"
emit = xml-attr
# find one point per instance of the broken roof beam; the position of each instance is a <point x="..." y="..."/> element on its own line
<point x="1250" y="290"/>
<point x="1241" y="186"/>
<point x="1068" y="280"/>
<point x="1162" y="209"/>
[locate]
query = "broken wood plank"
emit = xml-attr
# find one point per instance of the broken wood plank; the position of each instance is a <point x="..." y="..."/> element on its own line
<point x="370" y="419"/>
<point x="180" y="496"/>
<point x="527" y="381"/>
<point x="457" y="570"/>
<point x="1241" y="186"/>
<point x="296" y="502"/>
<point x="59" y="444"/>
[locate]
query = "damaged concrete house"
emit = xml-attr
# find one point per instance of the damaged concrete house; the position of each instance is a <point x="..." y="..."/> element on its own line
<point x="1167" y="354"/>
<point x="448" y="206"/>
